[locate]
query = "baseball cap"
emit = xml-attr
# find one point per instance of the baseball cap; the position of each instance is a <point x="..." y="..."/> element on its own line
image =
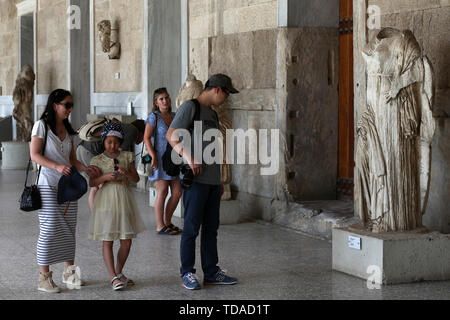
<point x="221" y="80"/>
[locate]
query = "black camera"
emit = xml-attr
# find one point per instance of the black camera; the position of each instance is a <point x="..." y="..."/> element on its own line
<point x="188" y="176"/>
<point x="146" y="159"/>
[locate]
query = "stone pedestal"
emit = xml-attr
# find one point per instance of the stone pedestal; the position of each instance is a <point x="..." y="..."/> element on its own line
<point x="179" y="211"/>
<point x="392" y="258"/>
<point x="15" y="155"/>
<point x="143" y="183"/>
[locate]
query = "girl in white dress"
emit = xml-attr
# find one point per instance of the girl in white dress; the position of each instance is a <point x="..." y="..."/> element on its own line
<point x="115" y="215"/>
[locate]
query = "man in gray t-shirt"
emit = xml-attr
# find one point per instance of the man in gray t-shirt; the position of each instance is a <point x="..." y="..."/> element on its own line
<point x="202" y="200"/>
<point x="183" y="120"/>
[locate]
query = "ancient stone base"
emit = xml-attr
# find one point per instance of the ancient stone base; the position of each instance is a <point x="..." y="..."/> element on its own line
<point x="392" y="258"/>
<point x="179" y="211"/>
<point x="15" y="155"/>
<point x="143" y="183"/>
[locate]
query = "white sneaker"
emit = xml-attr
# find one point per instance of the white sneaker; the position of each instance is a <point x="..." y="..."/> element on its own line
<point x="46" y="283"/>
<point x="72" y="277"/>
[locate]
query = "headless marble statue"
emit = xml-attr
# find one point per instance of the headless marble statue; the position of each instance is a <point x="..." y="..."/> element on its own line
<point x="22" y="97"/>
<point x="394" y="134"/>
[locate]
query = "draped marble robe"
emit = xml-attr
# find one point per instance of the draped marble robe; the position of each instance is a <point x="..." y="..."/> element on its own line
<point x="394" y="134"/>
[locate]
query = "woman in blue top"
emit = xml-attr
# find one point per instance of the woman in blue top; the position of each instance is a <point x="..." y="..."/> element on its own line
<point x="156" y="125"/>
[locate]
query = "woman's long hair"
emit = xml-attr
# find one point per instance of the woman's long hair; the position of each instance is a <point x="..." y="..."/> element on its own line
<point x="49" y="115"/>
<point x="156" y="94"/>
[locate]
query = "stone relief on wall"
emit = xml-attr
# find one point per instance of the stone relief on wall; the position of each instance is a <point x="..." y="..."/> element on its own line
<point x="109" y="39"/>
<point x="23" y="96"/>
<point x="394" y="134"/>
<point x="191" y="89"/>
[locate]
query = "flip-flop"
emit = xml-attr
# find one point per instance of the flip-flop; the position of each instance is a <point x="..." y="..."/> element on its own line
<point x="175" y="228"/>
<point x="167" y="231"/>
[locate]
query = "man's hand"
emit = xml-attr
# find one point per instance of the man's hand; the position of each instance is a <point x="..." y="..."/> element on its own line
<point x="196" y="168"/>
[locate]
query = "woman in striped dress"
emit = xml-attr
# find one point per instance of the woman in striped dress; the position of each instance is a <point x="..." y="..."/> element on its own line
<point x="56" y="241"/>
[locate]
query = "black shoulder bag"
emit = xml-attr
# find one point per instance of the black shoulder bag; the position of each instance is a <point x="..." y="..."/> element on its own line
<point x="31" y="197"/>
<point x="169" y="166"/>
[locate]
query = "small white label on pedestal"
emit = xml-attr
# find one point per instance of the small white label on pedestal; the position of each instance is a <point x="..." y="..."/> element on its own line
<point x="354" y="242"/>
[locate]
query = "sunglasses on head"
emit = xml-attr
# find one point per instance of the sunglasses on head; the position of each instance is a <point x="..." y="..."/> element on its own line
<point x="67" y="105"/>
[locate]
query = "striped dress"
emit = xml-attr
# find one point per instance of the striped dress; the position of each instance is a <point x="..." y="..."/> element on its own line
<point x="56" y="241"/>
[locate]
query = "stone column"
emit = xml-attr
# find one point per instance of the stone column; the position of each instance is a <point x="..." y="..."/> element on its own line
<point x="164" y="48"/>
<point x="79" y="48"/>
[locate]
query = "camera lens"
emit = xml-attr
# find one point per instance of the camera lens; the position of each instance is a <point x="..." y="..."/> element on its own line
<point x="188" y="177"/>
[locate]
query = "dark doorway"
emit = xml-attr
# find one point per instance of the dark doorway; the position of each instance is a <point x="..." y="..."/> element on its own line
<point x="346" y="161"/>
<point x="27" y="40"/>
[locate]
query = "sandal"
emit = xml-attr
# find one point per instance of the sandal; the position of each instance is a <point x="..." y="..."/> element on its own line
<point x="117" y="286"/>
<point x="127" y="282"/>
<point x="175" y="228"/>
<point x="167" y="231"/>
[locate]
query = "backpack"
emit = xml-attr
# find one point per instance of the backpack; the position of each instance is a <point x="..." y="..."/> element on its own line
<point x="92" y="131"/>
<point x="169" y="167"/>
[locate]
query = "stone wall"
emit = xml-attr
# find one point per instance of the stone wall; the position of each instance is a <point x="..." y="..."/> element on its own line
<point x="252" y="66"/>
<point x="248" y="30"/>
<point x="9" y="46"/>
<point x="429" y="21"/>
<point x="287" y="79"/>
<point x="128" y="15"/>
<point x="216" y="18"/>
<point x="312" y="112"/>
<point x="52" y="46"/>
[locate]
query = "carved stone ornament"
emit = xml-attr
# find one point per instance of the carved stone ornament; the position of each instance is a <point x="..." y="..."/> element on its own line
<point x="109" y="39"/>
<point x="394" y="134"/>
<point x="23" y="96"/>
<point x="191" y="89"/>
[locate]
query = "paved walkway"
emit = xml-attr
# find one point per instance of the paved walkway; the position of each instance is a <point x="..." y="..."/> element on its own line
<point x="271" y="262"/>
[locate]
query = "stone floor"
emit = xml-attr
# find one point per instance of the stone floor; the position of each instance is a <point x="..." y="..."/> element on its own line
<point x="271" y="262"/>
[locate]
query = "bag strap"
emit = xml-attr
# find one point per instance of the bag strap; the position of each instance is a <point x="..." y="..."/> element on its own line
<point x="154" y="132"/>
<point x="42" y="152"/>
<point x="196" y="114"/>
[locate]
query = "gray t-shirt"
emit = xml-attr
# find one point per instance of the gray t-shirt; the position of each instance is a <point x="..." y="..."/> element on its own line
<point x="183" y="120"/>
<point x="128" y="144"/>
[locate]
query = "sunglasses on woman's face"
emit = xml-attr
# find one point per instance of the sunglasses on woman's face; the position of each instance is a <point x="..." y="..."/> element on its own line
<point x="67" y="105"/>
<point x="116" y="165"/>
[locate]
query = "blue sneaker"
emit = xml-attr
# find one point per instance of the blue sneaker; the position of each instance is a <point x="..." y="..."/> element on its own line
<point x="219" y="278"/>
<point x="190" y="281"/>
